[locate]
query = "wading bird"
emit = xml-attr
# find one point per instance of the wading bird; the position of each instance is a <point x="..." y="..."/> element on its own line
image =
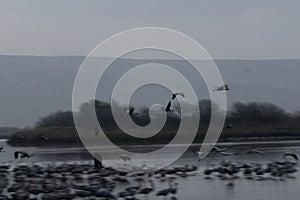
<point x="43" y="138"/>
<point x="148" y="190"/>
<point x="229" y="126"/>
<point x="22" y="155"/>
<point x="170" y="190"/>
<point x="125" y="157"/>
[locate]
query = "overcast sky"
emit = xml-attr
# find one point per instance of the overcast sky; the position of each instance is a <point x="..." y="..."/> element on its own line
<point x="256" y="29"/>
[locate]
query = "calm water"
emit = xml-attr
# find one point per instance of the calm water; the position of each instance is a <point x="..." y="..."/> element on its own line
<point x="193" y="187"/>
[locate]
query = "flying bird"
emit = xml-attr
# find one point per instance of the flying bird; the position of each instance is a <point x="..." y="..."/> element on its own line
<point x="221" y="88"/>
<point x="175" y="94"/>
<point x="291" y="154"/>
<point x="217" y="149"/>
<point x="255" y="151"/>
<point x="200" y="154"/>
<point x="168" y="107"/>
<point x="223" y="153"/>
<point x="129" y="111"/>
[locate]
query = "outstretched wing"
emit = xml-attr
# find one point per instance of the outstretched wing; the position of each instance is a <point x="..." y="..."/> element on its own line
<point x="221" y="149"/>
<point x="168" y="107"/>
<point x="173" y="96"/>
<point x="292" y="155"/>
<point x="180" y="93"/>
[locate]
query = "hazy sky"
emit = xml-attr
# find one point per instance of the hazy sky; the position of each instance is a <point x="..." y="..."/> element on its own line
<point x="227" y="29"/>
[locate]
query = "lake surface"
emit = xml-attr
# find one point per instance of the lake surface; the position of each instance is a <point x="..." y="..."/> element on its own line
<point x="193" y="187"/>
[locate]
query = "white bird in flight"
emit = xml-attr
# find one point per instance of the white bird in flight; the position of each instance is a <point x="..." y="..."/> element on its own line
<point x="175" y="94"/>
<point x="221" y="88"/>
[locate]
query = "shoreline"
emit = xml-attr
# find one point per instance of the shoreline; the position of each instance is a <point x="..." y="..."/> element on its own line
<point x="274" y="142"/>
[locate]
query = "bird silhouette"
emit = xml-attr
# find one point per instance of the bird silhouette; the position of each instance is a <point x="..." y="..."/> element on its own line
<point x="175" y="94"/>
<point x="229" y="126"/>
<point x="129" y="111"/>
<point x="43" y="138"/>
<point x="21" y="137"/>
<point x="22" y="155"/>
<point x="148" y="190"/>
<point x="170" y="190"/>
<point x="221" y="88"/>
<point x="217" y="149"/>
<point x="168" y="107"/>
<point x="200" y="153"/>
<point x="223" y="153"/>
<point x="255" y="151"/>
<point x="291" y="154"/>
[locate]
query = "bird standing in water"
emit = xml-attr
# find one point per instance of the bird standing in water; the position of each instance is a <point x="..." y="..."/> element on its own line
<point x="22" y="155"/>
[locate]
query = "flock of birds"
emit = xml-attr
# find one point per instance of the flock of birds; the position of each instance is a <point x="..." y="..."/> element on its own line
<point x="273" y="170"/>
<point x="86" y="181"/>
<point x="224" y="87"/>
<point x="68" y="181"/>
<point x="83" y="181"/>
<point x="224" y="152"/>
<point x="174" y="95"/>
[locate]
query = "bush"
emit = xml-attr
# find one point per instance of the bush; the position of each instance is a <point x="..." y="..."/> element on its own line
<point x="255" y="112"/>
<point x="60" y="118"/>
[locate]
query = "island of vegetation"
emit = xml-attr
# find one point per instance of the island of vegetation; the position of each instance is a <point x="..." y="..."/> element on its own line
<point x="255" y="121"/>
